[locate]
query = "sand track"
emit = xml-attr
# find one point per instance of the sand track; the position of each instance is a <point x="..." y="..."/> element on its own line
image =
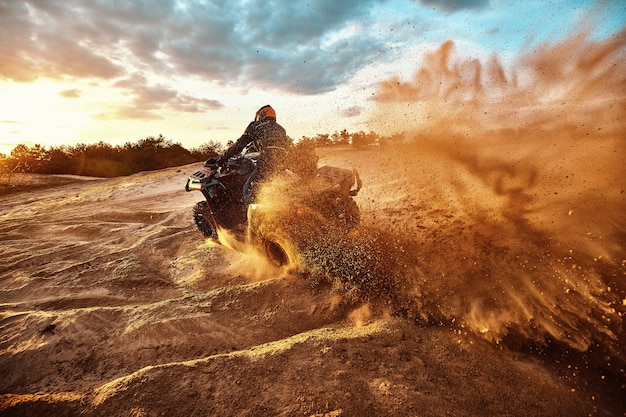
<point x="111" y="303"/>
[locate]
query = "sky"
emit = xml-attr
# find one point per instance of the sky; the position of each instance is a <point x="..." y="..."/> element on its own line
<point x="83" y="71"/>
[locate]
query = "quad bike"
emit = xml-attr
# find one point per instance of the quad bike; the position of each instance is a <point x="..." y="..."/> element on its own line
<point x="310" y="199"/>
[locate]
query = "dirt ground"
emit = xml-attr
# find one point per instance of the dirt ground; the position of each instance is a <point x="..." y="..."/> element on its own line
<point x="499" y="297"/>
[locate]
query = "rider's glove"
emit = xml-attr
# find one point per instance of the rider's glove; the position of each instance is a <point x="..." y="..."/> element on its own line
<point x="213" y="162"/>
<point x="221" y="163"/>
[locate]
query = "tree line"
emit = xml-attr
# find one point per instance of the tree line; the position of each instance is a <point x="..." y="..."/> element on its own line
<point x="105" y="160"/>
<point x="357" y="139"/>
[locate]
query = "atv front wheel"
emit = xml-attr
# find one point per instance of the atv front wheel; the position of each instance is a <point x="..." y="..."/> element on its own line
<point x="275" y="252"/>
<point x="202" y="219"/>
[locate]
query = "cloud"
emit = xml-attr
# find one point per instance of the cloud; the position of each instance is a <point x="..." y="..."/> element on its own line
<point x="454" y="5"/>
<point x="42" y="40"/>
<point x="149" y="99"/>
<point x="128" y="112"/>
<point x="352" y="111"/>
<point x="302" y="47"/>
<point x="71" y="93"/>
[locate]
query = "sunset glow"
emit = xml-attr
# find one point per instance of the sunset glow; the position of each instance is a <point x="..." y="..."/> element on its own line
<point x="84" y="72"/>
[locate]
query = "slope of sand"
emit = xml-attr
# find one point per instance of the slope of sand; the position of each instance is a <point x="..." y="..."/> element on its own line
<point x="111" y="303"/>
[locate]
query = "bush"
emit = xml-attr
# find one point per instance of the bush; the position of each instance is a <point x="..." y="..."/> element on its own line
<point x="100" y="159"/>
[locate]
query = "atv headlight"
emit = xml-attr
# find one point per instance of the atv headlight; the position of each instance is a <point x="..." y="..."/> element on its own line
<point x="193" y="184"/>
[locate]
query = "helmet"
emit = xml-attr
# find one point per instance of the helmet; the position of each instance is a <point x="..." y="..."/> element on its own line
<point x="265" y="112"/>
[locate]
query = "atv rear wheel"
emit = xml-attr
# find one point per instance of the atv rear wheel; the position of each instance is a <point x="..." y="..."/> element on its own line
<point x="202" y="219"/>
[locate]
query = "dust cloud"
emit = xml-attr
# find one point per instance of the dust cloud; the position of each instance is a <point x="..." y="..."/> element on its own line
<point x="502" y="214"/>
<point x="516" y="178"/>
<point x="245" y="258"/>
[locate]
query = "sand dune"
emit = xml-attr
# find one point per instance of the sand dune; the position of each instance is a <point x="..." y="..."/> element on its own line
<point x="113" y="304"/>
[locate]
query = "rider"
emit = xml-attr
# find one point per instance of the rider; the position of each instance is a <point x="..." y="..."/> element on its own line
<point x="272" y="142"/>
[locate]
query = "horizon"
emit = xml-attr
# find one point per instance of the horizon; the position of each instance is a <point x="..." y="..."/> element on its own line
<point x="196" y="73"/>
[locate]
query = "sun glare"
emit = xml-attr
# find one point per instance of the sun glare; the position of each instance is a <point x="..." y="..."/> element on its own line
<point x="43" y="112"/>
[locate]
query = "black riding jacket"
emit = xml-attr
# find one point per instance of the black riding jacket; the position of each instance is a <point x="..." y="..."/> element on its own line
<point x="266" y="134"/>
